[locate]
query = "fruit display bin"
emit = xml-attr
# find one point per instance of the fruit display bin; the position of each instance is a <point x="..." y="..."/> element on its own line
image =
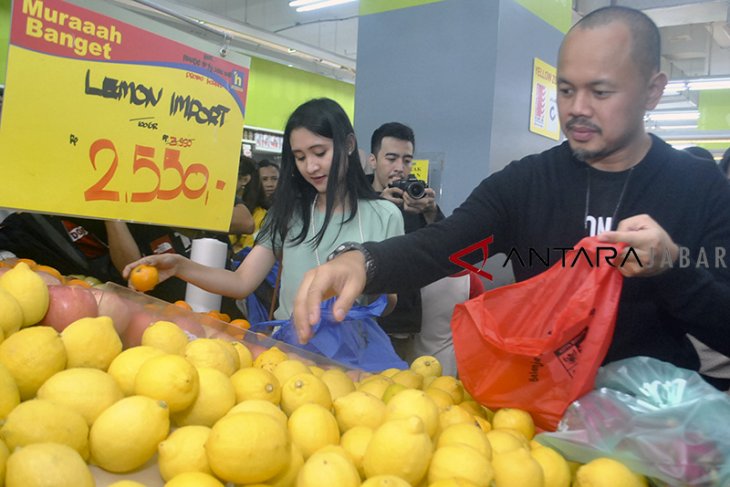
<point x="132" y="312"/>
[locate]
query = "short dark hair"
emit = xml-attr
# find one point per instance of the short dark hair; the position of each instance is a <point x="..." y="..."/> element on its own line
<point x="391" y="129"/>
<point x="646" y="40"/>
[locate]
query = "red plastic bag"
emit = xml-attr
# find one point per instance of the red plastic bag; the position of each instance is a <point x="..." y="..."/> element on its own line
<point x="537" y="345"/>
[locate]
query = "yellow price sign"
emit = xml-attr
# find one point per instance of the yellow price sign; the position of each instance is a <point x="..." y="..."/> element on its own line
<point x="419" y="169"/>
<point x="133" y="127"/>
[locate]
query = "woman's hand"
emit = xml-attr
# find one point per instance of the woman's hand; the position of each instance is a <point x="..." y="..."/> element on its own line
<point x="167" y="265"/>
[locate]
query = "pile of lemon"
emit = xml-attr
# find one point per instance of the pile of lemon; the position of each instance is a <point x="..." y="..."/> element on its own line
<point x="208" y="414"/>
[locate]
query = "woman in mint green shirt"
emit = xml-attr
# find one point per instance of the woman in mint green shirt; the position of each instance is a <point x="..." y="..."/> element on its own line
<point x="323" y="199"/>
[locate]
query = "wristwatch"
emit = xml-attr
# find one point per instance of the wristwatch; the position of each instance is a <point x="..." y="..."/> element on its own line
<point x="369" y="261"/>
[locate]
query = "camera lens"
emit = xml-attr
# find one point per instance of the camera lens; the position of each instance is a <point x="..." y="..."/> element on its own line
<point x="416" y="190"/>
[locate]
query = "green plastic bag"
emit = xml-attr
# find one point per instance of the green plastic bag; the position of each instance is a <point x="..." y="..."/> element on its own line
<point x="658" y="419"/>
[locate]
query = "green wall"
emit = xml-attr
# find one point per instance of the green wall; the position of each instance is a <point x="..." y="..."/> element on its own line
<point x="368" y="7"/>
<point x="714" y="107"/>
<point x="557" y="13"/>
<point x="4" y="37"/>
<point x="275" y="90"/>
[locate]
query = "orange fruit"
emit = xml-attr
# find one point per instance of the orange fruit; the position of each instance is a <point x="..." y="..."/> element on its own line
<point x="214" y="314"/>
<point x="241" y="323"/>
<point x="50" y="270"/>
<point x="224" y="317"/>
<point x="183" y="304"/>
<point x="78" y="282"/>
<point x="144" y="277"/>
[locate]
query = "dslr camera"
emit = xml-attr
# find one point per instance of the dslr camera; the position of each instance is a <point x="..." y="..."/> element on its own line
<point x="415" y="188"/>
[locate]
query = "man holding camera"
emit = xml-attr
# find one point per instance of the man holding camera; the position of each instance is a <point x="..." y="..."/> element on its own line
<point x="391" y="158"/>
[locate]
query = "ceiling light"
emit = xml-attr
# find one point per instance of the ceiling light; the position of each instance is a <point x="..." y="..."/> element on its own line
<point x="697" y="84"/>
<point x="666" y="116"/>
<point x="309" y="5"/>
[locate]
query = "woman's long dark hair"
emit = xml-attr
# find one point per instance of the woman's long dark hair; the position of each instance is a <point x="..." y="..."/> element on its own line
<point x="295" y="196"/>
<point x="253" y="194"/>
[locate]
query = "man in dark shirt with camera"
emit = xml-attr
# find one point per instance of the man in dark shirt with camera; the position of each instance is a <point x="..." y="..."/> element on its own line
<point x="391" y="158"/>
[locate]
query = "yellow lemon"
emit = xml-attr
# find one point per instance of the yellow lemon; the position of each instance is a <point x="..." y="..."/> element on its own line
<point x="215" y="398"/>
<point x="452" y="483"/>
<point x="91" y="342"/>
<point x="255" y="383"/>
<point x="86" y="391"/>
<point x="460" y="461"/>
<point x="427" y="366"/>
<point x="409" y="378"/>
<point x="483" y="423"/>
<point x="4" y="454"/>
<point x="269" y="359"/>
<point x="554" y="467"/>
<point x="9" y="395"/>
<point x="29" y="290"/>
<point x="38" y="421"/>
<point x="442" y="398"/>
<point x="413" y="402"/>
<point x="502" y="441"/>
<point x="31" y="356"/>
<point x="165" y="336"/>
<point x="304" y="389"/>
<point x="392" y="390"/>
<point x="472" y="407"/>
<point x="328" y="469"/>
<point x="289" y="368"/>
<point x="451" y="385"/>
<point x="312" y="427"/>
<point x="466" y="434"/>
<point x="246" y="448"/>
<point x="125" y="366"/>
<point x="288" y="476"/>
<point x="355" y="441"/>
<point x="605" y="472"/>
<point x="517" y="467"/>
<point x="125" y="436"/>
<point x="245" y="358"/>
<point x="194" y="479"/>
<point x="316" y="370"/>
<point x="169" y="378"/>
<point x="516" y="419"/>
<point x="231" y="351"/>
<point x="209" y="352"/>
<point x="44" y="464"/>
<point x="390" y="372"/>
<point x="359" y="408"/>
<point x="126" y="483"/>
<point x="338" y="382"/>
<point x="11" y="314"/>
<point x="261" y="406"/>
<point x="454" y="415"/>
<point x="375" y="385"/>
<point x="183" y="451"/>
<point x="385" y="481"/>
<point x="399" y="447"/>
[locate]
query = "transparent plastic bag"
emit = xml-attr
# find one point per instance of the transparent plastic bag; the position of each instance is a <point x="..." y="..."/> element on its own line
<point x="659" y="420"/>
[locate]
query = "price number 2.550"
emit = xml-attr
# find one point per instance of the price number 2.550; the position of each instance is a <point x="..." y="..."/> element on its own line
<point x="143" y="161"/>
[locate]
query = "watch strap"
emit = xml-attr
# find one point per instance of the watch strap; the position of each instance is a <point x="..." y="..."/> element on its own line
<point x="369" y="261"/>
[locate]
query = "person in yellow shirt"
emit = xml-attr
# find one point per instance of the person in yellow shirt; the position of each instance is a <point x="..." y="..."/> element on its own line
<point x="250" y="194"/>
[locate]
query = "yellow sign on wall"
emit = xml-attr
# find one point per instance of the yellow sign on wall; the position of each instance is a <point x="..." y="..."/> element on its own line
<point x="419" y="169"/>
<point x="544" y="102"/>
<point x="106" y="120"/>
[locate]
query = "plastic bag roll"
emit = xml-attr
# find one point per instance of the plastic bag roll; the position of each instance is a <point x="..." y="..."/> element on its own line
<point x="210" y="252"/>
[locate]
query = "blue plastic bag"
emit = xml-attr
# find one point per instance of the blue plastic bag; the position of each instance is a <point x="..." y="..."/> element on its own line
<point x="257" y="311"/>
<point x="357" y="341"/>
<point x="658" y="419"/>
